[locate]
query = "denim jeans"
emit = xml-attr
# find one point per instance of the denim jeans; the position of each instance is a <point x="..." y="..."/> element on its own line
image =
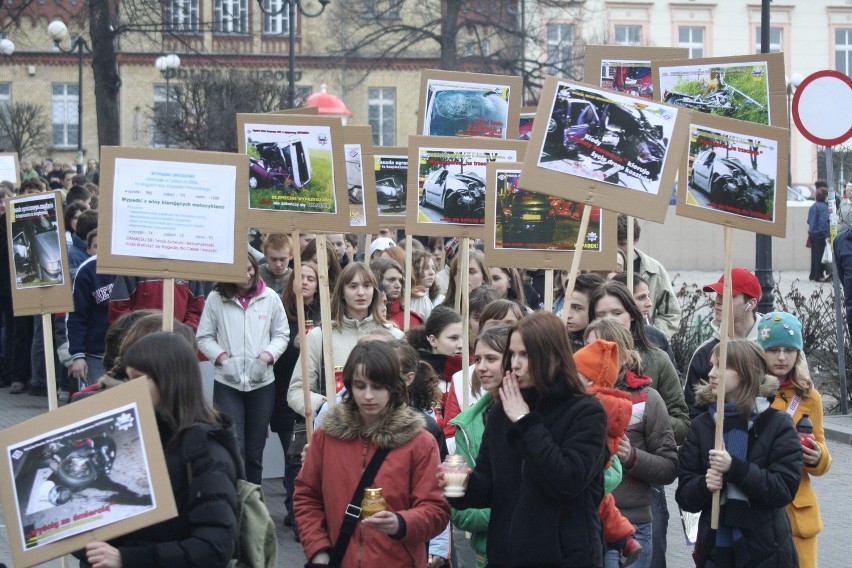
<point x="644" y="532"/>
<point x="250" y="412"/>
<point x="660" y="513"/>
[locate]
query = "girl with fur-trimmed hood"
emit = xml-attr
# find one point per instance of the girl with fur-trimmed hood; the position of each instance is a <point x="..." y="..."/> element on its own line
<point x="374" y="414"/>
<point x="757" y="473"/>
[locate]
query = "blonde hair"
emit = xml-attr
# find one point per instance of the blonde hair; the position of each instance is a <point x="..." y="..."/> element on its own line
<point x="611" y="329"/>
<point x="801" y="376"/>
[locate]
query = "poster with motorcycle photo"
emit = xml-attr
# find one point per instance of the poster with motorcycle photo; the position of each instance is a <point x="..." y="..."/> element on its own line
<point x="736" y="175"/>
<point x="390" y="169"/>
<point x="606" y="149"/>
<point x="297" y="172"/>
<point x="360" y="183"/>
<point x="446" y="183"/>
<point x="528" y="229"/>
<point x="745" y="87"/>
<point x="93" y="470"/>
<point x="469" y="104"/>
<point x="627" y="69"/>
<point x="38" y="257"/>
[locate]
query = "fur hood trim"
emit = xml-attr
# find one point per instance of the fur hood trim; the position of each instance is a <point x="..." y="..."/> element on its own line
<point x="393" y="430"/>
<point x="768" y="388"/>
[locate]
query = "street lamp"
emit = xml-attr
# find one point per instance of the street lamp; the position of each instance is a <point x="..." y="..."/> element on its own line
<point x="58" y="32"/>
<point x="7" y="46"/>
<point x="291" y="6"/>
<point x="168" y="66"/>
<point x="793" y="83"/>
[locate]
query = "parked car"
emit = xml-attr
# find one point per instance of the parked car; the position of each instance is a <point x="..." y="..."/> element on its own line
<point x="390" y="192"/>
<point x="460" y="194"/>
<point x="727" y="181"/>
<point x="799" y="196"/>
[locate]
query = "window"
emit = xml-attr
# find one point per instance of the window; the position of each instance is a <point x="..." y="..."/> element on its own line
<point x="382" y="115"/>
<point x="231" y="17"/>
<point x="691" y="38"/>
<point x="843" y="50"/>
<point x="276" y="17"/>
<point x="472" y="49"/>
<point x="383" y="9"/>
<point x="181" y="16"/>
<point x="165" y="112"/>
<point x="776" y="40"/>
<point x="65" y="118"/>
<point x="560" y="47"/>
<point x="628" y="35"/>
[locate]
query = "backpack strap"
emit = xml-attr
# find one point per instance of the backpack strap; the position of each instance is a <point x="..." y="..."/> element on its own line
<point x="353" y="510"/>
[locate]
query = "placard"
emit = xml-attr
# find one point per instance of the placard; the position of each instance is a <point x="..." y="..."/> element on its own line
<point x="605" y="149"/>
<point x="744" y="87"/>
<point x="525" y="122"/>
<point x="527" y="229"/>
<point x="297" y="172"/>
<point x="627" y="69"/>
<point x="38" y="255"/>
<point x="446" y="182"/>
<point x="469" y="104"/>
<point x="736" y="175"/>
<point x="10" y="170"/>
<point x="172" y="214"/>
<point x="90" y="471"/>
<point x="390" y="168"/>
<point x="360" y="181"/>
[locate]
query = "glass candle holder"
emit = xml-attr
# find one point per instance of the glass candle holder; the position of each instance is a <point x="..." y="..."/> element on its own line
<point x="455" y="474"/>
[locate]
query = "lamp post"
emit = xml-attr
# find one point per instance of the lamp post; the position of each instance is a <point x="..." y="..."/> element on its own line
<point x="57" y="31"/>
<point x="168" y="66"/>
<point x="291" y="6"/>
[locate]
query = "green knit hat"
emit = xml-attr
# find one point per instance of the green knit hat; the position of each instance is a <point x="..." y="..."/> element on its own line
<point x="779" y="329"/>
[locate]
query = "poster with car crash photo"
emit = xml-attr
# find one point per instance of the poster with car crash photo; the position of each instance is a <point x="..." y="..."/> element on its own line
<point x="297" y="172"/>
<point x="627" y="69"/>
<point x="446" y="183"/>
<point x="93" y="470"/>
<point x="606" y="149"/>
<point x="736" y="175"/>
<point x="38" y="255"/>
<point x="360" y="184"/>
<point x="746" y="87"/>
<point x="469" y="104"/>
<point x="390" y="168"/>
<point x="528" y="229"/>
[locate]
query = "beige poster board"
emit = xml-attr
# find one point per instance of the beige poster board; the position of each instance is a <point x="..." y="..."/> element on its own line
<point x="446" y="182"/>
<point x="605" y="149"/>
<point x="390" y="171"/>
<point x="736" y="175"/>
<point x="527" y="229"/>
<point x="627" y="69"/>
<point x="360" y="181"/>
<point x="172" y="214"/>
<point x="297" y="172"/>
<point x="311" y="111"/>
<point x="469" y="104"/>
<point x="743" y="87"/>
<point x="51" y="463"/>
<point x="38" y="255"/>
<point x="10" y="169"/>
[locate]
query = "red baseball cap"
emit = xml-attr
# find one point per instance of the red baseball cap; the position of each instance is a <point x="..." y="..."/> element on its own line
<point x="742" y="282"/>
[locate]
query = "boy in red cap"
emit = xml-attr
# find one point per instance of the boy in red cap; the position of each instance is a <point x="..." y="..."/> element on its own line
<point x="598" y="364"/>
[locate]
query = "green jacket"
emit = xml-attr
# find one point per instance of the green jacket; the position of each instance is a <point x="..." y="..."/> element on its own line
<point x="470" y="425"/>
<point x="664" y="380"/>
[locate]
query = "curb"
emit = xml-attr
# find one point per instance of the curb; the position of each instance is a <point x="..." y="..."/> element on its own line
<point x="838" y="428"/>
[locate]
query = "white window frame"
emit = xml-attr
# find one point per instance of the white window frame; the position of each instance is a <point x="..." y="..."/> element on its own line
<point x="181" y="16"/>
<point x="64" y="107"/>
<point x="386" y="110"/>
<point x="774" y="47"/>
<point x="627" y="28"/>
<point x="843" y="50"/>
<point x="230" y="17"/>
<point x="559" y="51"/>
<point x="276" y="17"/>
<point x="696" y="48"/>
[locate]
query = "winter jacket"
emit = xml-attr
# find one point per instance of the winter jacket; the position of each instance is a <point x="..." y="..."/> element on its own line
<point x="666" y="307"/>
<point x="818" y="220"/>
<point x="699" y="365"/>
<point x="396" y="314"/>
<point x="226" y="328"/>
<point x="843" y="259"/>
<point x="470" y="426"/>
<point x="804" y="510"/>
<point x="86" y="326"/>
<point x="654" y="459"/>
<point x="205" y="531"/>
<point x="664" y="380"/>
<point x="446" y="366"/>
<point x="338" y="454"/>
<point x="542" y="477"/>
<point x="131" y="293"/>
<point x="283" y="417"/>
<point x="277" y="283"/>
<point x="422" y="305"/>
<point x="768" y="478"/>
<point x="77" y="254"/>
<point x="343" y="340"/>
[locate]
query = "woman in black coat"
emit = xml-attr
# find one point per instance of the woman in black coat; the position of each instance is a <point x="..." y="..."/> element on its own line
<point x="540" y="466"/>
<point x="758" y="472"/>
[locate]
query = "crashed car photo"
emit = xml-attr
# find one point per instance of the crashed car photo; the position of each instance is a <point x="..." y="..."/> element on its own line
<point x="730" y="183"/>
<point x="37" y="253"/>
<point x="459" y="195"/>
<point x="280" y="167"/>
<point x="390" y="193"/>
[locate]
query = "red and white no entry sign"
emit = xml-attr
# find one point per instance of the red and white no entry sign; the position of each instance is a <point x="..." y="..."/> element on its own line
<point x="822" y="108"/>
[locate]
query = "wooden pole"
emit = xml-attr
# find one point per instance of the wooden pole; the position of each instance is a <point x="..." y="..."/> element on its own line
<point x="49" y="364"/>
<point x="168" y="304"/>
<point x="325" y="313"/>
<point x="465" y="314"/>
<point x="548" y="290"/>
<point x="575" y="260"/>
<point x="296" y="280"/>
<point x="629" y="254"/>
<point x="406" y="284"/>
<point x="724" y="332"/>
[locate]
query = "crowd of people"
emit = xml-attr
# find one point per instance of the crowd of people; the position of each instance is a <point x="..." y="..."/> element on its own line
<point x="572" y="424"/>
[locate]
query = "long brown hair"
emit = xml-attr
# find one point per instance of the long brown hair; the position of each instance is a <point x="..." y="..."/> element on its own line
<point x="289" y="295"/>
<point x="347" y="275"/>
<point x="748" y="360"/>
<point x="379" y="363"/>
<point x="228" y="289"/>
<point x="475" y="257"/>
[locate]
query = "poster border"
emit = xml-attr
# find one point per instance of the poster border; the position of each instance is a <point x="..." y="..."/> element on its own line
<point x="363" y="135"/>
<point x="132" y="392"/>
<point x="595" y="55"/>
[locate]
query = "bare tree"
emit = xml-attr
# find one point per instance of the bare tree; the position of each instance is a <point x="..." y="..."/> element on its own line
<point x="24" y="128"/>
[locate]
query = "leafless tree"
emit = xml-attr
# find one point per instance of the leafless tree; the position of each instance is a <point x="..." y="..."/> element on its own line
<point x="24" y="128"/>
